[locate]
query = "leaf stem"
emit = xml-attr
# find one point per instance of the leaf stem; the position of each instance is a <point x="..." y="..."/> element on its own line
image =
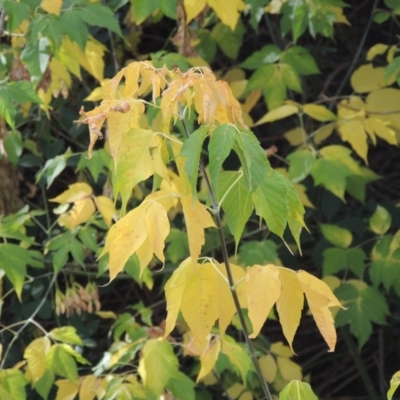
<point x="231" y="281"/>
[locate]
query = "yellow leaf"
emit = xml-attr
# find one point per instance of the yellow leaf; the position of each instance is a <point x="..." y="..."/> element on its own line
<point x="323" y="133"/>
<point x="228" y="15"/>
<point x="75" y="192"/>
<point x="354" y="133"/>
<point x="92" y="59"/>
<point x="124" y="238"/>
<point x="268" y="367"/>
<point x="376" y="50"/>
<point x="385" y="101"/>
<point x="80" y="213"/>
<point x="158" y="229"/>
<point x="367" y="78"/>
<point x="199" y="306"/>
<point x="378" y="127"/>
<point x="301" y="191"/>
<point x="296" y="136"/>
<point x="106" y="314"/>
<point x="35" y="354"/>
<point x="319" y="298"/>
<point x="208" y="358"/>
<point x="197" y="218"/>
<point x="290" y="303"/>
<point x="278" y="113"/>
<point x="289" y="370"/>
<point x="96" y="94"/>
<point x="88" y="387"/>
<point x="279" y="349"/>
<point x="263" y="288"/>
<point x="105" y="207"/>
<point x="66" y="390"/>
<point x="193" y="8"/>
<point x="52" y="6"/>
<point x="67" y="55"/>
<point x="174" y="290"/>
<point x="318" y="112"/>
<point x="391" y="53"/>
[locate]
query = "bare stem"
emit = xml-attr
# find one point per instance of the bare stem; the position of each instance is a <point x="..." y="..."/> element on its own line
<point x="229" y="274"/>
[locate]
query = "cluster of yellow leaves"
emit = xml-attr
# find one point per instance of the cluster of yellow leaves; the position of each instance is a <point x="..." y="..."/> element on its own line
<point x="213" y="101"/>
<point x="228" y="15"/>
<point x="143" y="230"/>
<point x="84" y="205"/>
<point x="376" y="117"/>
<point x="202" y="294"/>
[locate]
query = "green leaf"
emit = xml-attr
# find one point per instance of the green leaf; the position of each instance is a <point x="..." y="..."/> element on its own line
<point x="365" y="305"/>
<point x="178" y="248"/>
<point x="301" y="60"/>
<point x="334" y="260"/>
<point x="381" y="17"/>
<point x="394" y="384"/>
<point x="270" y="202"/>
<point x="219" y="147"/>
<point x="322" y="22"/>
<point x="62" y="363"/>
<point x="237" y="205"/>
<point x="267" y="55"/>
<point x="229" y="41"/>
<point x="14" y="146"/>
<point x="13" y="260"/>
<point x="191" y="149"/>
<point x="99" y="15"/>
<point x="296" y="390"/>
<point x="238" y="357"/>
<point x="300" y="20"/>
<point x="262" y="253"/>
<point x="14" y="382"/>
<point x="143" y="9"/>
<point x="88" y="237"/>
<point x="65" y="334"/>
<point x="356" y="261"/>
<point x="252" y="157"/>
<point x="291" y="78"/>
<point x="16" y="12"/>
<point x="206" y="48"/>
<point x="270" y="79"/>
<point x="36" y="57"/>
<point x="76" y="249"/>
<point x="60" y="258"/>
<point x="44" y="384"/>
<point x="339" y="237"/>
<point x="22" y="92"/>
<point x="331" y="174"/>
<point x="380" y="221"/>
<point x="53" y="168"/>
<point x="158" y="360"/>
<point x="385" y="271"/>
<point x="73" y="17"/>
<point x="168" y="7"/>
<point x="7" y="109"/>
<point x="301" y="162"/>
<point x="182" y="387"/>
